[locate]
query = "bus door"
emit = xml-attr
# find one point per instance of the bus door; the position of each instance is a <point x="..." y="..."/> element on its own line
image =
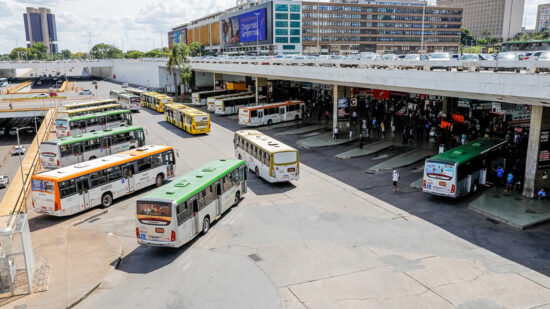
<point x="82" y="127"/>
<point x="195" y="214"/>
<point x="302" y="110"/>
<point x="260" y="116"/>
<point x="140" y="138"/>
<point x="128" y="175"/>
<point x="282" y="114"/>
<point x="106" y="145"/>
<point x="218" y="188"/>
<point x="77" y="151"/>
<point x="82" y="187"/>
<point x="243" y="179"/>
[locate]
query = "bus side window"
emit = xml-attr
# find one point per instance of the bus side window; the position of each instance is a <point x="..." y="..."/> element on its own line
<point x="65" y="151"/>
<point x="98" y="178"/>
<point x="226" y="183"/>
<point x="208" y="195"/>
<point x="200" y="198"/>
<point x="114" y="173"/>
<point x="281" y="110"/>
<point x="156" y="160"/>
<point x="144" y="164"/>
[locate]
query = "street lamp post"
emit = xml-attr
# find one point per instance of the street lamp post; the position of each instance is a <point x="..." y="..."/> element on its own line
<point x="318" y="29"/>
<point x="257" y="34"/>
<point x="422" y="39"/>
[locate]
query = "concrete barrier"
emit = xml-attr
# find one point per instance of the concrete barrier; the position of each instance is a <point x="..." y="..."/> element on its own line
<point x="19" y="190"/>
<point x="18" y="87"/>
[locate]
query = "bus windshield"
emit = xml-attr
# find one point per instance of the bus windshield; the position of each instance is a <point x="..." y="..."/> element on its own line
<point x="154" y="213"/>
<point x="285" y="157"/>
<point x="440" y="170"/>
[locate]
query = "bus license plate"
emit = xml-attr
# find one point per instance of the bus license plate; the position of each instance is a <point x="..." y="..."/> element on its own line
<point x="159" y="230"/>
<point x="292" y="169"/>
<point x="442" y="183"/>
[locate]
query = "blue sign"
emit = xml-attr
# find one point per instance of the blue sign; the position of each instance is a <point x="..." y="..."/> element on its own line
<point x="176" y="36"/>
<point x="252" y="26"/>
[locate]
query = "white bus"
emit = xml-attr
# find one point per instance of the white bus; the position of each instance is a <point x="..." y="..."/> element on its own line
<point x="93" y="122"/>
<point x="80" y="105"/>
<point x="88" y="110"/>
<point x="230" y="106"/>
<point x="174" y="214"/>
<point x="200" y="98"/>
<point x="271" y="113"/>
<point x="211" y="101"/>
<point x="81" y="148"/>
<point x="267" y="157"/>
<point x="130" y="102"/>
<point x="115" y="93"/>
<point x="78" y="187"/>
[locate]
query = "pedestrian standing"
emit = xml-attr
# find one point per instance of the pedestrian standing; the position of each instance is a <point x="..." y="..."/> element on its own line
<point x="361" y="141"/>
<point x="11" y="107"/>
<point x="500" y="175"/>
<point x="335" y="133"/>
<point x="395" y="179"/>
<point x="509" y="182"/>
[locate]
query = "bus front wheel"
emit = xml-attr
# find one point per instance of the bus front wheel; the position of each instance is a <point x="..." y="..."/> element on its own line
<point x="205" y="225"/>
<point x="106" y="200"/>
<point x="92" y="158"/>
<point x="237" y="198"/>
<point x="159" y="180"/>
<point x="269" y="122"/>
<point x="257" y="171"/>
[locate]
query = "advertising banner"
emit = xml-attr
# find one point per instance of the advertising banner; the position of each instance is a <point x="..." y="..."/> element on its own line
<point x="230" y="30"/>
<point x="177" y="36"/>
<point x="252" y="26"/>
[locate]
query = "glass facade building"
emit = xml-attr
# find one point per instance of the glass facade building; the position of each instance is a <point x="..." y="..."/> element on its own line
<point x="40" y="27"/>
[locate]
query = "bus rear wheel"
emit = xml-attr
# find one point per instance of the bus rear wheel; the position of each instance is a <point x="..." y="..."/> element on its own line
<point x="269" y="122"/>
<point x="159" y="180"/>
<point x="237" y="198"/>
<point x="205" y="225"/>
<point x="106" y="200"/>
<point x="257" y="171"/>
<point x="92" y="158"/>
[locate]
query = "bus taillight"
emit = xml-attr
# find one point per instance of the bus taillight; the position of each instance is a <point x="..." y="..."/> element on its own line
<point x="453" y="188"/>
<point x="173" y="236"/>
<point x="137" y="232"/>
<point x="57" y="162"/>
<point x="424" y="183"/>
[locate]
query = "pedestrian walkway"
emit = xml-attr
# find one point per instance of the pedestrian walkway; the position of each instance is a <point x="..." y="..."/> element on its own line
<point x="366" y="150"/>
<point x="302" y="130"/>
<point x="511" y="208"/>
<point x="323" y="140"/>
<point x="404" y="159"/>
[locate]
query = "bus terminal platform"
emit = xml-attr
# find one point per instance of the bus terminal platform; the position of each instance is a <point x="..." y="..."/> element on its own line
<point x="511" y="208"/>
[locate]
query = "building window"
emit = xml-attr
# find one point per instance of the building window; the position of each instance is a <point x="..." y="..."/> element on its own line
<point x="281" y="16"/>
<point x="294" y="31"/>
<point x="294" y="8"/>
<point x="294" y="24"/>
<point x="281" y="24"/>
<point x="281" y="32"/>
<point x="281" y="7"/>
<point x="289" y="47"/>
<point x="294" y="39"/>
<point x="295" y="16"/>
<point x="279" y="39"/>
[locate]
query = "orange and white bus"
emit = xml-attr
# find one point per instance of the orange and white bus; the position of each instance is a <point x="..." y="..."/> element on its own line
<point x="81" y="186"/>
<point x="271" y="113"/>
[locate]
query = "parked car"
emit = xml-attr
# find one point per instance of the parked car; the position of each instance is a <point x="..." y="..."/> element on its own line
<point x="18" y="150"/>
<point x="4" y="181"/>
<point x="487" y="57"/>
<point x="13" y="131"/>
<point x="440" y="56"/>
<point x="469" y="57"/>
<point x="389" y="57"/>
<point x="85" y="92"/>
<point x="507" y="56"/>
<point x="545" y="56"/>
<point x="125" y="85"/>
<point x="370" y="56"/>
<point x="94" y="82"/>
<point x="412" y="57"/>
<point x="2" y="131"/>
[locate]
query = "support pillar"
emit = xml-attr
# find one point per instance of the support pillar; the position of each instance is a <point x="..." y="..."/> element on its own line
<point x="217" y="77"/>
<point x="335" y="107"/>
<point x="531" y="161"/>
<point x="260" y="82"/>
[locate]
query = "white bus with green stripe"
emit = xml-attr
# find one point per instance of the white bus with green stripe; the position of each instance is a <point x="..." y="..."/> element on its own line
<point x="175" y="213"/>
<point x="84" y="147"/>
<point x="93" y="122"/>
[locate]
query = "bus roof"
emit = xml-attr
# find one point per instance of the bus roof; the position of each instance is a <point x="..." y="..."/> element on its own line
<point x="185" y="187"/>
<point x="78" y="110"/>
<point x="84" y="168"/>
<point x="263" y="141"/>
<point x="175" y="106"/>
<point x="91" y="102"/>
<point x="272" y="105"/>
<point x="239" y="97"/>
<point x="236" y="94"/>
<point x="94" y="115"/>
<point x="524" y="42"/>
<point x="468" y="151"/>
<point x="88" y="136"/>
<point x="194" y="112"/>
<point x="128" y="95"/>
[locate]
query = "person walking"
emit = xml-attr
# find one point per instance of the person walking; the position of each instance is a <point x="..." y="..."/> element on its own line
<point x="500" y="175"/>
<point x="395" y="179"/>
<point x="335" y="133"/>
<point x="509" y="182"/>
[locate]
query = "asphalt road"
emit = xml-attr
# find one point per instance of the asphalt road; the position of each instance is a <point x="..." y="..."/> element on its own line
<point x="322" y="242"/>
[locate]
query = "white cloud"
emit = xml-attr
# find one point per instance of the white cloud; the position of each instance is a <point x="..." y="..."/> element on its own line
<point x="138" y="24"/>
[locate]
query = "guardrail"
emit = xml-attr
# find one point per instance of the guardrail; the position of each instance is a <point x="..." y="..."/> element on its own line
<point x="17" y="193"/>
<point x="526" y="66"/>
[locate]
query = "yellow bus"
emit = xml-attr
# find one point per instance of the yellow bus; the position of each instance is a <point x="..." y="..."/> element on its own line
<point x="147" y="99"/>
<point x="191" y="120"/>
<point x="159" y="101"/>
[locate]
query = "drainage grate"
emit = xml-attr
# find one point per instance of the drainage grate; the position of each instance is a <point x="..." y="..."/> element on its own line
<point x="254" y="257"/>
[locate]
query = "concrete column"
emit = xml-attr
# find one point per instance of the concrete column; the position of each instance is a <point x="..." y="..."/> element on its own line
<point x="260" y="82"/>
<point x="531" y="161"/>
<point x="217" y="77"/>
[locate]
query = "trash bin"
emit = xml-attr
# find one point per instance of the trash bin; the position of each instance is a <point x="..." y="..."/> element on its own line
<point x="441" y="148"/>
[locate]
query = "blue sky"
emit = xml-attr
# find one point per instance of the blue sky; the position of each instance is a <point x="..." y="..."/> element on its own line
<point x="136" y="24"/>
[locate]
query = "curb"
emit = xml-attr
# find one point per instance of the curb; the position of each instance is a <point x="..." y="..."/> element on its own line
<point x="80" y="299"/>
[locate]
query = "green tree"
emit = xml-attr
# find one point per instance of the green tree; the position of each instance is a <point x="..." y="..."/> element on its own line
<point x="195" y="49"/>
<point x="65" y="54"/>
<point x="178" y="59"/>
<point x="20" y="53"/>
<point x="39" y="51"/>
<point x="105" y="51"/>
<point x="466" y="37"/>
<point x="155" y="53"/>
<point x="134" y="54"/>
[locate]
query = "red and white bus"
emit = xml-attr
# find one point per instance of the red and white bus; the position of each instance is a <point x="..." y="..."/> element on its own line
<point x="269" y="114"/>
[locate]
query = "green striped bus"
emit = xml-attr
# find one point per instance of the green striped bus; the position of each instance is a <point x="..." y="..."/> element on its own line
<point x="83" y="147"/>
<point x="175" y="213"/>
<point x="93" y="122"/>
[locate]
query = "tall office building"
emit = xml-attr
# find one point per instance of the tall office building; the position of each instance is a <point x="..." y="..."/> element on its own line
<point x="503" y="18"/>
<point x="543" y="17"/>
<point x="40" y="28"/>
